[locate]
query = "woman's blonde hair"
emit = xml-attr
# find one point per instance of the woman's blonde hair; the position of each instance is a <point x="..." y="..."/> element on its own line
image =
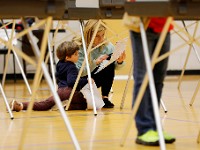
<point x="89" y="29"/>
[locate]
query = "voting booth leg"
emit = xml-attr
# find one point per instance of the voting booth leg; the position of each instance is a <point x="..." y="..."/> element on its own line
<point x="51" y="63"/>
<point x="6" y="102"/>
<point x="126" y="87"/>
<point x="85" y="62"/>
<point x="198" y="138"/>
<point x="191" y="47"/>
<point x="17" y="59"/>
<point x="152" y="87"/>
<point x="23" y="74"/>
<point x="41" y="65"/>
<point x="88" y="67"/>
<point x="195" y="93"/>
<point x="163" y="106"/>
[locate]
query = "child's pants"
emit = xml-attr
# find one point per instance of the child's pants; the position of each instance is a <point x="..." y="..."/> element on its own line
<point x="78" y="101"/>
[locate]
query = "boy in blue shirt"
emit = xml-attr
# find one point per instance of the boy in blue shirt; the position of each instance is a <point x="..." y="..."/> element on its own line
<point x="66" y="74"/>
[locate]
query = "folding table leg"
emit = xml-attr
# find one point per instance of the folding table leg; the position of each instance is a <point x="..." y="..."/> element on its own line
<point x="6" y="102"/>
<point x="152" y="87"/>
<point x="198" y="138"/>
<point x="49" y="81"/>
<point x="163" y="105"/>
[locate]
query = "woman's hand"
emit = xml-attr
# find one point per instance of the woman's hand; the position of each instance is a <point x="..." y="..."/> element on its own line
<point x="101" y="58"/>
<point x="121" y="58"/>
<point x="92" y="80"/>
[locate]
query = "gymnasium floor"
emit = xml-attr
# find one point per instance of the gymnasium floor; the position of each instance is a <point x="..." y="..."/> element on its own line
<point x="46" y="130"/>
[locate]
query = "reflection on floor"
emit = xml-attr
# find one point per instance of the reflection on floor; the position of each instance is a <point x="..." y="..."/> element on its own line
<point x="47" y="130"/>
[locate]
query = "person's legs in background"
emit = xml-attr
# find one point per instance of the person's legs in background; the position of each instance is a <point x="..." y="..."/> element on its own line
<point x="160" y="68"/>
<point x="144" y="117"/>
<point x="145" y="121"/>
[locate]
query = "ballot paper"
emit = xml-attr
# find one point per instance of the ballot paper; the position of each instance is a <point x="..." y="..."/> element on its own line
<point x="99" y="103"/>
<point x="120" y="47"/>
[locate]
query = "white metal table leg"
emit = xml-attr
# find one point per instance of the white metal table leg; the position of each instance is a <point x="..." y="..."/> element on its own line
<point x="126" y="87"/>
<point x="80" y="71"/>
<point x="6" y="102"/>
<point x="152" y="87"/>
<point x="23" y="74"/>
<point x="88" y="68"/>
<point x="51" y="63"/>
<point x="49" y="81"/>
<point x="19" y="64"/>
<point x="163" y="105"/>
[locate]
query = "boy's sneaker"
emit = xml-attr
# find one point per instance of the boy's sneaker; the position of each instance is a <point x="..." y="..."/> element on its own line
<point x="149" y="138"/>
<point x="16" y="106"/>
<point x="108" y="104"/>
<point x="168" y="138"/>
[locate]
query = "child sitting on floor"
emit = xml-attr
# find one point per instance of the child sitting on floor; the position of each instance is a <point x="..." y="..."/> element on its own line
<point x="66" y="74"/>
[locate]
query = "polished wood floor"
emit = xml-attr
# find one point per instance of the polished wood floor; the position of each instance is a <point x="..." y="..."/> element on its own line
<point x="47" y="131"/>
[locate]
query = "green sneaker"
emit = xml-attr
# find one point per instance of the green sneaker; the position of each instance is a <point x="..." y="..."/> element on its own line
<point x="149" y="138"/>
<point x="168" y="138"/>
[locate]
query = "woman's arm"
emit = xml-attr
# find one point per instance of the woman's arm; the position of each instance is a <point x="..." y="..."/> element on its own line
<point x="92" y="64"/>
